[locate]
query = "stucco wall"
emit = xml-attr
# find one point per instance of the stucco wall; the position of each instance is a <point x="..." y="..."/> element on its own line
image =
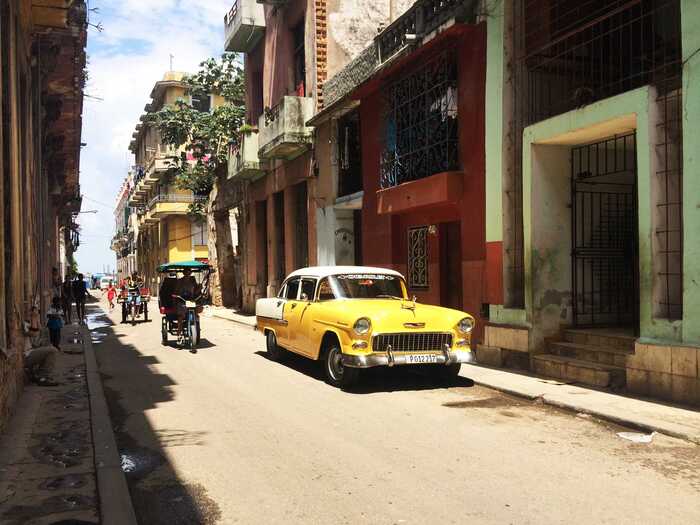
<point x="690" y="11"/>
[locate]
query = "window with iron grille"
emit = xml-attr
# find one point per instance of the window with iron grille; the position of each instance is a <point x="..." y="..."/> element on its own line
<point x="420" y="136"/>
<point x="570" y="53"/>
<point x="418" y="257"/>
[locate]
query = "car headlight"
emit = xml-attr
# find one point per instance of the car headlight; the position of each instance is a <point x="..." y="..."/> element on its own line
<point x="466" y="325"/>
<point x="362" y="326"/>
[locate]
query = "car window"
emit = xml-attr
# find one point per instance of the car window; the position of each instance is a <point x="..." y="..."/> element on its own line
<point x="308" y="287"/>
<point x="292" y="288"/>
<point x="325" y="292"/>
<point x="282" y="292"/>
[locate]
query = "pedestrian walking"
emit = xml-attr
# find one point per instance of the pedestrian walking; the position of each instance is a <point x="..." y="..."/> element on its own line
<point x="67" y="299"/>
<point x="111" y="294"/>
<point x="80" y="295"/>
<point x="54" y="322"/>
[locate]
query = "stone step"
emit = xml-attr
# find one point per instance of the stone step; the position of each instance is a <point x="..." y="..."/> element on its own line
<point x="571" y="369"/>
<point x="595" y="354"/>
<point x="598" y="339"/>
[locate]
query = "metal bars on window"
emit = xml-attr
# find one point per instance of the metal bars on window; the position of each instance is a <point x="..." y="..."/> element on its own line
<point x="570" y="53"/>
<point x="418" y="257"/>
<point x="421" y="132"/>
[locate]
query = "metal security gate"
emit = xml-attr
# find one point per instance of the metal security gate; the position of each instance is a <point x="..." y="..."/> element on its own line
<point x="604" y="233"/>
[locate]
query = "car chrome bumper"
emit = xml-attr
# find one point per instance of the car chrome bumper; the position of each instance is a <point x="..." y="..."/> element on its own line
<point x="401" y="358"/>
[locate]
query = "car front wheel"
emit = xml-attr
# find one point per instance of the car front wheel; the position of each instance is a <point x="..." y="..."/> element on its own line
<point x="337" y="374"/>
<point x="446" y="374"/>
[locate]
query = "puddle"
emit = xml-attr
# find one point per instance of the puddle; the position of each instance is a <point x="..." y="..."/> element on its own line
<point x="488" y="402"/>
<point x="139" y="463"/>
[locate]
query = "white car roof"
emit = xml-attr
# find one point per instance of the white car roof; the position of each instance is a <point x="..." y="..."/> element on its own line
<point x="325" y="271"/>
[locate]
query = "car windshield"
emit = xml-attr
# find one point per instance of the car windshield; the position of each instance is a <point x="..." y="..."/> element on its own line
<point x="366" y="286"/>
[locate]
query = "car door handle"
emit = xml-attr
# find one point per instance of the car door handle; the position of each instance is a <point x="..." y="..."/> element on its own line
<point x="294" y="305"/>
<point x="279" y="303"/>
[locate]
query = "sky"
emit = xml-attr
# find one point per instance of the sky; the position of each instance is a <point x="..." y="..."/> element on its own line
<point x="125" y="59"/>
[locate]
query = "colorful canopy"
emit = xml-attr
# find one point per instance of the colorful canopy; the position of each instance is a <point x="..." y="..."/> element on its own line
<point x="195" y="266"/>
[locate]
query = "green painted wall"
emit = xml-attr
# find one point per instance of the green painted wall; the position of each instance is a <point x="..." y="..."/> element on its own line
<point x="690" y="20"/>
<point x="632" y="103"/>
<point x="494" y="121"/>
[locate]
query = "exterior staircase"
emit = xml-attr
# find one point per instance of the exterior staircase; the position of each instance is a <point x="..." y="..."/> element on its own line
<point x="591" y="357"/>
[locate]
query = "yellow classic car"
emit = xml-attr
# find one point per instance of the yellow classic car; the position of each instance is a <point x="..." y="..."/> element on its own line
<point x="354" y="317"/>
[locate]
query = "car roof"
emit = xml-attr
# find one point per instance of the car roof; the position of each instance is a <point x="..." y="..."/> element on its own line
<point x="325" y="271"/>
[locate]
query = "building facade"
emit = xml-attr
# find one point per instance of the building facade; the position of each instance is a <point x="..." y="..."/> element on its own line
<point x="402" y="143"/>
<point x="42" y="59"/>
<point x="158" y="211"/>
<point x="125" y="232"/>
<point x="291" y="48"/>
<point x="591" y="192"/>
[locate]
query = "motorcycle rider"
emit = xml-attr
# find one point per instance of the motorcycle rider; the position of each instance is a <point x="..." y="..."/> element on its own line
<point x="188" y="289"/>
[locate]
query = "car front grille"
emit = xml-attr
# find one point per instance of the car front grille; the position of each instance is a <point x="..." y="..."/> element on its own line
<point x="411" y="341"/>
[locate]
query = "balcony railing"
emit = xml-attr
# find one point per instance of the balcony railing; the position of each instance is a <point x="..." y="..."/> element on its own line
<point x="243" y="160"/>
<point x="244" y="25"/>
<point x="420" y="19"/>
<point x="283" y="130"/>
<point x="175" y="198"/>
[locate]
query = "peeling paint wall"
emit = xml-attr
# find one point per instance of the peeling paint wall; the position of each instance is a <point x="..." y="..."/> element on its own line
<point x="353" y="24"/>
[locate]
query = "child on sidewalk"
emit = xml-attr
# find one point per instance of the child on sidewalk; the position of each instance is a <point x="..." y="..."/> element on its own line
<point x="54" y="322"/>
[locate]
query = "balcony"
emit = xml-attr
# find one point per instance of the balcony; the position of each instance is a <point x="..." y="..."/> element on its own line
<point x="243" y="161"/>
<point x="157" y="165"/>
<point x="165" y="204"/>
<point x="244" y="25"/>
<point x="283" y="130"/>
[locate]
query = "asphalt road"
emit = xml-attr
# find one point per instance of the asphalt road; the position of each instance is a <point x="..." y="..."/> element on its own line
<point x="227" y="436"/>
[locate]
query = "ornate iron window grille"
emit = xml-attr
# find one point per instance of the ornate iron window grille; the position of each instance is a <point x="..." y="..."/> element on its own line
<point x="421" y="125"/>
<point x="570" y="53"/>
<point x="418" y="258"/>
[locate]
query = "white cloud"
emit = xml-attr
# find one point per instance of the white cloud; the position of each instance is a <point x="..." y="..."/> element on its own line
<point x="125" y="60"/>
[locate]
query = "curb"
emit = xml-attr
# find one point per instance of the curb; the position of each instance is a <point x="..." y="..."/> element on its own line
<point x="602" y="415"/>
<point x="113" y="492"/>
<point x="240" y="322"/>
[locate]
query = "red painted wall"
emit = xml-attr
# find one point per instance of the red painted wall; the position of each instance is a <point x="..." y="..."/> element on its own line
<point x="385" y="236"/>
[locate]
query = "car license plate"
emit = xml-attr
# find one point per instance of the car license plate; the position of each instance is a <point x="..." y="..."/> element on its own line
<point x="421" y="359"/>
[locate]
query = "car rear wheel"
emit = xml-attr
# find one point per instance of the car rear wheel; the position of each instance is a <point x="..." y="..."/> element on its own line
<point x="274" y="351"/>
<point x="337" y="374"/>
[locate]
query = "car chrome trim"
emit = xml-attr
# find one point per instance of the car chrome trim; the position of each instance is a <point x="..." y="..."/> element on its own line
<point x="414" y="325"/>
<point x="385" y="358"/>
<point x="279" y="321"/>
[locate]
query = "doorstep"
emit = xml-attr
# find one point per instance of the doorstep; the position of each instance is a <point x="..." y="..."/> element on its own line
<point x="645" y="415"/>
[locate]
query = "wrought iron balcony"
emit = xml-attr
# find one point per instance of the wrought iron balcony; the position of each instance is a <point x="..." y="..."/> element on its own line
<point x="419" y="20"/>
<point x="243" y="160"/>
<point x="283" y="130"/>
<point x="244" y="25"/>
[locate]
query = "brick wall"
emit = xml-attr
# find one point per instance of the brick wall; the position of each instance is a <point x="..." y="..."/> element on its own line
<point x="321" y="48"/>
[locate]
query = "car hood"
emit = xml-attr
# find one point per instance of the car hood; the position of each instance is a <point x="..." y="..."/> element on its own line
<point x="392" y="314"/>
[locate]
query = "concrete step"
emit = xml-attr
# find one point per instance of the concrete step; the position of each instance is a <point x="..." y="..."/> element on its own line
<point x="595" y="354"/>
<point x="586" y="372"/>
<point x="600" y="339"/>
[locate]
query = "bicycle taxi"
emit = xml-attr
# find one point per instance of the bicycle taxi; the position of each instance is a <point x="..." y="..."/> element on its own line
<point x="169" y="300"/>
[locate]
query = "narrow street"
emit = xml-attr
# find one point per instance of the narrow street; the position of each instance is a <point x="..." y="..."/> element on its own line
<point x="227" y="436"/>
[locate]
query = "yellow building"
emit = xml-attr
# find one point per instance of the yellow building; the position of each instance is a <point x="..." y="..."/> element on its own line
<point x="163" y="230"/>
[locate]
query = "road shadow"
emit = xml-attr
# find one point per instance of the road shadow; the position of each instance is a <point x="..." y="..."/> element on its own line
<point x="373" y="380"/>
<point x="133" y="386"/>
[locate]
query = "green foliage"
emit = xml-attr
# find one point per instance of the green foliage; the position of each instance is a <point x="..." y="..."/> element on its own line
<point x="205" y="136"/>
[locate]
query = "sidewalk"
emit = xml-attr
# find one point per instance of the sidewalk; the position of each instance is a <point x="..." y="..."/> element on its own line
<point x="58" y="458"/>
<point x="647" y="416"/>
<point x="231" y="315"/>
